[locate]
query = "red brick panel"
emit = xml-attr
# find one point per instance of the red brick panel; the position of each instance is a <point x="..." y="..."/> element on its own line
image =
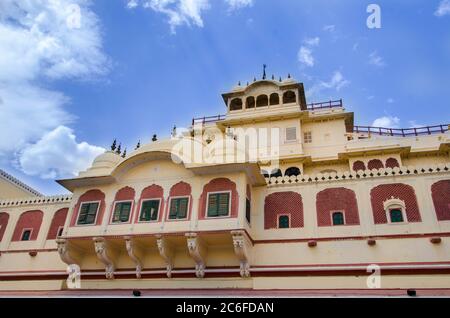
<point x="181" y="189"/>
<point x="359" y="165"/>
<point x="28" y="220"/>
<point x="336" y="199"/>
<point x="392" y="163"/>
<point x="440" y="191"/>
<point x="219" y="184"/>
<point x="4" y="217"/>
<point x="283" y="203"/>
<point x="125" y="193"/>
<point x="91" y="195"/>
<point x="151" y="192"/>
<point x="383" y="192"/>
<point x="59" y="218"/>
<point x="375" y="164"/>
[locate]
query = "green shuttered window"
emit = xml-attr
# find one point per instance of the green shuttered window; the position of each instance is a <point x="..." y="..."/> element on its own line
<point x="88" y="212"/>
<point x="122" y="212"/>
<point x="396" y="216"/>
<point x="178" y="208"/>
<point x="283" y="222"/>
<point x="149" y="211"/>
<point x="218" y="204"/>
<point x="338" y="218"/>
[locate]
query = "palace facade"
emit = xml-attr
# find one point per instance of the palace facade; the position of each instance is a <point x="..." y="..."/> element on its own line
<point x="277" y="194"/>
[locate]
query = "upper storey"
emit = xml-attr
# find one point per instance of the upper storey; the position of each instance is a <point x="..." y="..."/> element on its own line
<point x="265" y="97"/>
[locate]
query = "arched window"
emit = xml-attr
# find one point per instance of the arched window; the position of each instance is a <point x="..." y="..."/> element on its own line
<point x="359" y="165"/>
<point x="289" y="97"/>
<point x="250" y="102"/>
<point x="283" y="222"/>
<point x="236" y="104"/>
<point x="375" y="164"/>
<point x="262" y="101"/>
<point x="392" y="163"/>
<point x="276" y="173"/>
<point x="265" y="173"/>
<point x="274" y="99"/>
<point x="292" y="171"/>
<point x="338" y="218"/>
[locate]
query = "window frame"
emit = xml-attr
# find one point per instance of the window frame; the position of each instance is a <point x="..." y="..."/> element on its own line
<point x="405" y="220"/>
<point x="59" y="229"/>
<point x="23" y="232"/>
<point x="96" y="213"/>
<point x="140" y="210"/>
<point x="114" y="209"/>
<point x="395" y="204"/>
<point x="187" y="211"/>
<point x="229" y="205"/>
<point x="307" y="140"/>
<point x="288" y="141"/>
<point x="343" y="217"/>
<point x="278" y="221"/>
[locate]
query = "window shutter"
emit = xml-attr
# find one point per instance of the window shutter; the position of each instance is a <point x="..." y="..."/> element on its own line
<point x="116" y="216"/>
<point x="173" y="209"/>
<point x="83" y="213"/>
<point x="182" y="210"/>
<point x="212" y="205"/>
<point x="223" y="204"/>
<point x="291" y="134"/>
<point x="125" y="211"/>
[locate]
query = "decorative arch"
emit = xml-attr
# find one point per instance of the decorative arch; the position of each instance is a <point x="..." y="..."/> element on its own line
<point x="440" y="192"/>
<point x="336" y="200"/>
<point x="4" y="218"/>
<point x="124" y="194"/>
<point x="236" y="104"/>
<point x="276" y="173"/>
<point x="384" y="192"/>
<point x="153" y="191"/>
<point x="392" y="163"/>
<point x="250" y="102"/>
<point x="262" y="100"/>
<point x="88" y="196"/>
<point x="219" y="184"/>
<point x="274" y="99"/>
<point x="289" y="97"/>
<point x="28" y="220"/>
<point x="375" y="164"/>
<point x="58" y="220"/>
<point x="359" y="165"/>
<point x="283" y="203"/>
<point x="292" y="171"/>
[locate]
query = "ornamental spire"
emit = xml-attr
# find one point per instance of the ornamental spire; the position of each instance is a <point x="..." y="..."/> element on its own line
<point x="264" y="71"/>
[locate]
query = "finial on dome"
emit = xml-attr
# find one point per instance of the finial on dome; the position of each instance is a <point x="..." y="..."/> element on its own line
<point x="273" y="77"/>
<point x="289" y="75"/>
<point x="118" y="151"/>
<point x="124" y="153"/>
<point x="280" y="80"/>
<point x="154" y="138"/>
<point x="138" y="145"/>
<point x="174" y="131"/>
<point x="247" y="84"/>
<point x="239" y="83"/>
<point x="254" y="79"/>
<point x="113" y="146"/>
<point x="264" y="71"/>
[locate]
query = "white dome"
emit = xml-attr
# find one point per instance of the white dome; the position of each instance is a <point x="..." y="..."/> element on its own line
<point x="108" y="159"/>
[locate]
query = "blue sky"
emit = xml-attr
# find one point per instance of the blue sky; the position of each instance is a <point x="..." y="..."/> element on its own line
<point x="129" y="69"/>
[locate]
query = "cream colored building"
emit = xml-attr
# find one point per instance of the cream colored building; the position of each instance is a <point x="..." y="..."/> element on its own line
<point x="277" y="194"/>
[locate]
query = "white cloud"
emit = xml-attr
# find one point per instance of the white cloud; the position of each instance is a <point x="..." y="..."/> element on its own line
<point x="239" y="4"/>
<point x="132" y="4"/>
<point x="329" y="28"/>
<point x="337" y="82"/>
<point x="386" y="122"/>
<point x="375" y="59"/>
<point x="305" y="53"/>
<point x="443" y="8"/>
<point x="57" y="155"/>
<point x="41" y="41"/>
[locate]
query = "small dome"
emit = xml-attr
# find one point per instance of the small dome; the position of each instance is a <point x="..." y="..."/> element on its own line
<point x="108" y="159"/>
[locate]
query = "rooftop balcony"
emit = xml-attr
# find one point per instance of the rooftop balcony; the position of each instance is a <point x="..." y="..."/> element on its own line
<point x="401" y="132"/>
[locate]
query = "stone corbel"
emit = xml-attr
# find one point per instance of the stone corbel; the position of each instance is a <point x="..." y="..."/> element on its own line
<point x="197" y="250"/>
<point x="166" y="251"/>
<point x="136" y="254"/>
<point x="68" y="253"/>
<point x="242" y="246"/>
<point x="104" y="250"/>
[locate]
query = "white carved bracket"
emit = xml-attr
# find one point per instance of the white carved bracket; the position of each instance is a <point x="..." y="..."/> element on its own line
<point x="104" y="250"/>
<point x="197" y="249"/>
<point x="242" y="246"/>
<point x="136" y="254"/>
<point x="166" y="251"/>
<point x="68" y="252"/>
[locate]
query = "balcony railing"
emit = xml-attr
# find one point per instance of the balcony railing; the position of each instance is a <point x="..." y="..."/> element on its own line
<point x="312" y="106"/>
<point x="401" y="132"/>
<point x="329" y="104"/>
